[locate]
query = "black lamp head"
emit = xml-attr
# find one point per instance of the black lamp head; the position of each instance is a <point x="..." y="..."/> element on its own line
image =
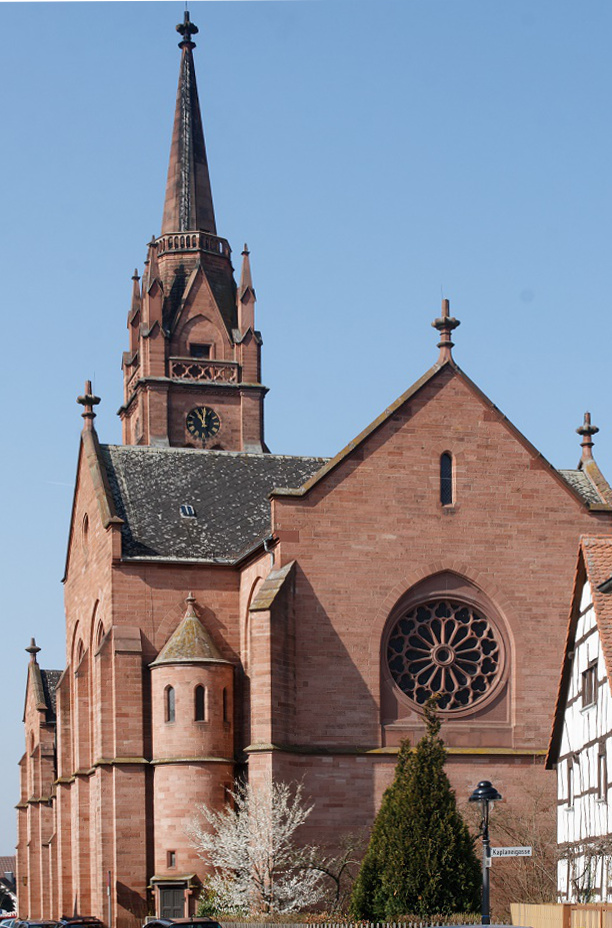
<point x="485" y="792"/>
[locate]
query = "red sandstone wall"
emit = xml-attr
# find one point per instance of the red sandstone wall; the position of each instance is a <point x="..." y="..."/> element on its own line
<point x="375" y="527"/>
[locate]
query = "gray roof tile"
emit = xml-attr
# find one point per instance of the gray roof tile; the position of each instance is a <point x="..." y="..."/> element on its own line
<point x="228" y="491"/>
<point x="50" y="679"/>
<point x="579" y="481"/>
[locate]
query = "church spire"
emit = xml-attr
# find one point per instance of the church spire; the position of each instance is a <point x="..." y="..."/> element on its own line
<point x="188" y="206"/>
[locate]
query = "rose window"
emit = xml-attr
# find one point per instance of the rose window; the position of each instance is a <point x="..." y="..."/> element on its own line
<point x="446" y="648"/>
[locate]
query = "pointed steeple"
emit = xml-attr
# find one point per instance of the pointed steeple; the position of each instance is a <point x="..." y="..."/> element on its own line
<point x="189" y="204"/>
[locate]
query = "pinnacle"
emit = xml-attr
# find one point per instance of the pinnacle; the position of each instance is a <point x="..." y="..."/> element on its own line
<point x="445" y="323"/>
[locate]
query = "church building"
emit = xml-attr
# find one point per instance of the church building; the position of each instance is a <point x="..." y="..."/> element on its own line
<point x="233" y="612"/>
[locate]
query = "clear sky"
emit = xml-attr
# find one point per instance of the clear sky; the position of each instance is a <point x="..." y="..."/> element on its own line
<point x="374" y="155"/>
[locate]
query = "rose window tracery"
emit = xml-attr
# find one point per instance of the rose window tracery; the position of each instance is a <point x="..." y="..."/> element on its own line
<point x="448" y="648"/>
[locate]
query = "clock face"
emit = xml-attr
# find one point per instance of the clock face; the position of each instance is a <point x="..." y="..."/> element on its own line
<point x="202" y="422"/>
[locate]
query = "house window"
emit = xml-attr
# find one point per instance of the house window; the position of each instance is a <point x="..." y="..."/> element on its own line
<point x="589" y="687"/>
<point x="602" y="773"/>
<point x="199" y="350"/>
<point x="170" y="704"/>
<point x="571" y="784"/>
<point x="200" y="704"/>
<point x="171" y="859"/>
<point x="446" y="479"/>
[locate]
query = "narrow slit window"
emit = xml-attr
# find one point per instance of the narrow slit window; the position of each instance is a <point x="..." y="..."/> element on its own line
<point x="446" y="479"/>
<point x="225" y="706"/>
<point x="170" y="704"/>
<point x="602" y="774"/>
<point x="200" y="703"/>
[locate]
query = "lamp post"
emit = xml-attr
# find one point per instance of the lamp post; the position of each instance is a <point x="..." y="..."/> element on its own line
<point x="485" y="794"/>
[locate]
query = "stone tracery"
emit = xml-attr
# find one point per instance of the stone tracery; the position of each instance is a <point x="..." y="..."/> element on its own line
<point x="448" y="648"/>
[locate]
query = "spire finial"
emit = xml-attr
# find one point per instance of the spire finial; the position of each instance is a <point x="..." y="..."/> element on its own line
<point x="445" y="323"/>
<point x="88" y="401"/>
<point x="587" y="431"/>
<point x="33" y="650"/>
<point x="190" y="600"/>
<point x="187" y="29"/>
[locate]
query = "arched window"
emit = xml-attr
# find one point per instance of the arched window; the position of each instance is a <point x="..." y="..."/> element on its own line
<point x="170" y="704"/>
<point x="446" y="479"/>
<point x="200" y="704"/>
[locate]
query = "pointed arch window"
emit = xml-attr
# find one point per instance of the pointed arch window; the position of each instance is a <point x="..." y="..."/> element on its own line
<point x="201" y="700"/>
<point x="446" y="479"/>
<point x="170" y="704"/>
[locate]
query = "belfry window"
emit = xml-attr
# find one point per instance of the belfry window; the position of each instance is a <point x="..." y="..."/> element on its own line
<point x="198" y="350"/>
<point x="200" y="703"/>
<point x="170" y="704"/>
<point x="446" y="479"/>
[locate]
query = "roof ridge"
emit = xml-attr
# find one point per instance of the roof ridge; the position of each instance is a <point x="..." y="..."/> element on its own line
<point x="260" y="455"/>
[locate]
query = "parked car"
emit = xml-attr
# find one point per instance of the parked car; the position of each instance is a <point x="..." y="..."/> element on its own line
<point x="182" y="922"/>
<point x="81" y="921"/>
<point x="34" y="923"/>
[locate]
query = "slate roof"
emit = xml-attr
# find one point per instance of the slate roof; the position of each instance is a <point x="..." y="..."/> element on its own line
<point x="228" y="491"/>
<point x="50" y="679"/>
<point x="578" y="480"/>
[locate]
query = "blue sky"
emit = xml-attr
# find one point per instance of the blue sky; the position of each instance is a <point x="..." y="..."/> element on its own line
<point x="374" y="155"/>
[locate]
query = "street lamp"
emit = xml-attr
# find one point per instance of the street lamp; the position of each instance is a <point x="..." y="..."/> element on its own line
<point x="486" y="795"/>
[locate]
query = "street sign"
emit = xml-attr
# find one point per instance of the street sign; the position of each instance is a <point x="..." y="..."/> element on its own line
<point x="511" y="851"/>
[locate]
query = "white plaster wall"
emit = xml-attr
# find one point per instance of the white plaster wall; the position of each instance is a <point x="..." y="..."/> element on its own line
<point x="587" y="821"/>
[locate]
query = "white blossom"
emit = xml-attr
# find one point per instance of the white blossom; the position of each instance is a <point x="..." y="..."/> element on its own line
<point x="250" y="844"/>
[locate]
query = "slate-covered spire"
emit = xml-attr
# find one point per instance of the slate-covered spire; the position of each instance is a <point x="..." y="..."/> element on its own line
<point x="189" y="205"/>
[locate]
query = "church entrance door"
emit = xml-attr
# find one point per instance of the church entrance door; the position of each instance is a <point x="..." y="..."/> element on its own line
<point x="172" y="902"/>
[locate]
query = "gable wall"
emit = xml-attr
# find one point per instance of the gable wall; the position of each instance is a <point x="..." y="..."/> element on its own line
<point x="374" y="527"/>
<point x="586" y="733"/>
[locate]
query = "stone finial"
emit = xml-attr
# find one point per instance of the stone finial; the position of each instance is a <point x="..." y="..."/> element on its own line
<point x="445" y="323"/>
<point x="135" y="289"/>
<point x="88" y="401"/>
<point x="187" y="29"/>
<point x="33" y="650"/>
<point x="587" y="431"/>
<point x="190" y="600"/>
<point x="246" y="278"/>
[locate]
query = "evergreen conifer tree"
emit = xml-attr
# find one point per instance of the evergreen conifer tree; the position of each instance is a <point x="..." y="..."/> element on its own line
<point x="421" y="858"/>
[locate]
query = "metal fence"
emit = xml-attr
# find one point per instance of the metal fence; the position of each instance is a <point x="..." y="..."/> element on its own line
<point x="461" y="918"/>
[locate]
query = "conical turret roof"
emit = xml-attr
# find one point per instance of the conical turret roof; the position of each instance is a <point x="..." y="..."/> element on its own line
<point x="190" y="643"/>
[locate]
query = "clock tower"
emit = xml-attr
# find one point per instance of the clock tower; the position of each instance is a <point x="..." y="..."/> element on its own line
<point x="192" y="374"/>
